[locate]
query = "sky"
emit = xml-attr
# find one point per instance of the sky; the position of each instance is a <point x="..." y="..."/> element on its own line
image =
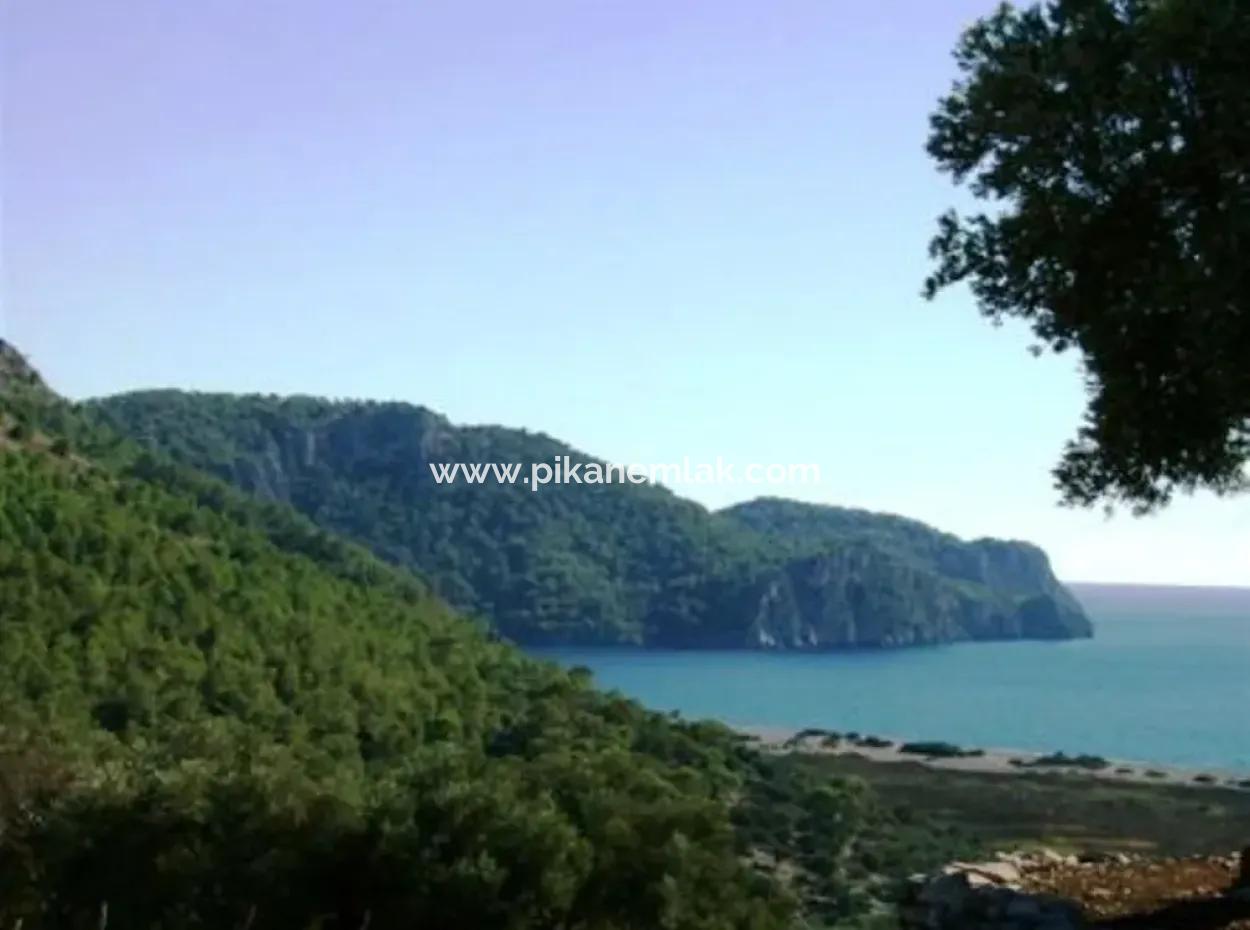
<point x="658" y="231"/>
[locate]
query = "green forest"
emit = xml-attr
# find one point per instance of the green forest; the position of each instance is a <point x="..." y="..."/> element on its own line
<point x="601" y="564"/>
<point x="216" y="714"/>
<point x="257" y="670"/>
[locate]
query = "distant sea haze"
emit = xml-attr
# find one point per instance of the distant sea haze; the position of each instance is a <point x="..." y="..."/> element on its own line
<point x="1162" y="600"/>
<point x="1165" y="679"/>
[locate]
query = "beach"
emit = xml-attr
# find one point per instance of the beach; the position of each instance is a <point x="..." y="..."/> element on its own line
<point x="990" y="761"/>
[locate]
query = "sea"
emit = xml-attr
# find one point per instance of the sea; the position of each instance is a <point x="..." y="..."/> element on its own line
<point x="1166" y="679"/>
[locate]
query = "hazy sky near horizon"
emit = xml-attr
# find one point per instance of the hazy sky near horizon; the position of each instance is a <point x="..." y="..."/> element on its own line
<point x="655" y="230"/>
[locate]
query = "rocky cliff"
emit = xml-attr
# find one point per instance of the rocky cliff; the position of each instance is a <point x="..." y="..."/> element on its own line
<point x="862" y="578"/>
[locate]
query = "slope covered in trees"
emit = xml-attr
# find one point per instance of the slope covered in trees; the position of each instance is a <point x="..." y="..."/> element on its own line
<point x="601" y="563"/>
<point x="215" y="714"/>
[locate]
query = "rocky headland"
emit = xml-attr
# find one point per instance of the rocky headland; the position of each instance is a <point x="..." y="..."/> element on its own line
<point x="598" y="563"/>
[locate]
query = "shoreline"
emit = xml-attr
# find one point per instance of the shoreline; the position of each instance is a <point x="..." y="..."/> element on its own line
<point x="996" y="761"/>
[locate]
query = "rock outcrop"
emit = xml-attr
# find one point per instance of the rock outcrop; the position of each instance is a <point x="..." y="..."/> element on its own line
<point x="1045" y="890"/>
<point x="989" y="895"/>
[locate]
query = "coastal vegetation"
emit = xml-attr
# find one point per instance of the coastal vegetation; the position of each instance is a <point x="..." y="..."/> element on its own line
<point x="1070" y="811"/>
<point x="1063" y="760"/>
<point x="939" y="750"/>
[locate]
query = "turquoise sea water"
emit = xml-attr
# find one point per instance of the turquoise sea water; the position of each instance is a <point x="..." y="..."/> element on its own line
<point x="1166" y="679"/>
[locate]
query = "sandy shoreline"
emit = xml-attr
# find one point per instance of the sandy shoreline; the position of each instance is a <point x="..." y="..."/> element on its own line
<point x="998" y="761"/>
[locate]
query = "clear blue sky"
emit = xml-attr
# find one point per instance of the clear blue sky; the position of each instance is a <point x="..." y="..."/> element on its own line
<point x="652" y="229"/>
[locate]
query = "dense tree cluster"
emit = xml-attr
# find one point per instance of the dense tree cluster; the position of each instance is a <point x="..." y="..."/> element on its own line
<point x="593" y="563"/>
<point x="214" y="714"/>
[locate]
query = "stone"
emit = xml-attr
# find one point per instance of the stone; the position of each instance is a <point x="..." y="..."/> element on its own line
<point x="1001" y="873"/>
<point x="988" y="896"/>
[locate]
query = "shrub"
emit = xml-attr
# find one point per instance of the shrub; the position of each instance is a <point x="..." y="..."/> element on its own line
<point x="802" y="736"/>
<point x="939" y="750"/>
<point x="1062" y="760"/>
<point x="875" y="742"/>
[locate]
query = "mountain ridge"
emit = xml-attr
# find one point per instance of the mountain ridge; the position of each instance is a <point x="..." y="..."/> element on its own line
<point x="602" y="564"/>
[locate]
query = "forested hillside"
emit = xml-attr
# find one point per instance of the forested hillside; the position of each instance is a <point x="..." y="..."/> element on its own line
<point x="214" y="714"/>
<point x="596" y="564"/>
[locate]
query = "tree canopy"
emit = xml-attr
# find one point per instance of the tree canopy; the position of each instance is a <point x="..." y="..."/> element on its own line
<point x="1111" y="142"/>
<point x="215" y="714"/>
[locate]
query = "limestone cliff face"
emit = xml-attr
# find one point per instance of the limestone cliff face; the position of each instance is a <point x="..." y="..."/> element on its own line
<point x="604" y="564"/>
<point x="881" y="580"/>
<point x="858" y="596"/>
